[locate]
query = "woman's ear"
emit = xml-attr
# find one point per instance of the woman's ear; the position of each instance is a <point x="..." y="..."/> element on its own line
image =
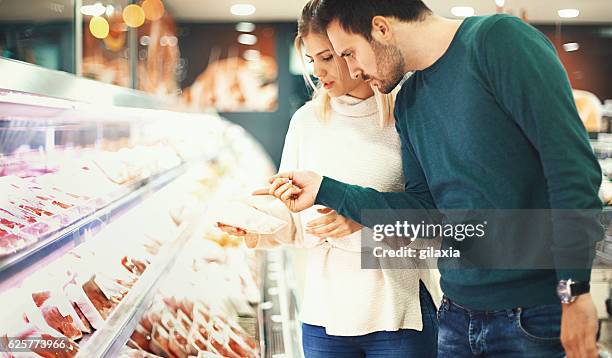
<point x="381" y="29"/>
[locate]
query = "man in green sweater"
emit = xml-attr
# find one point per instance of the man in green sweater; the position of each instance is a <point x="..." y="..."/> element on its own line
<point x="487" y="121"/>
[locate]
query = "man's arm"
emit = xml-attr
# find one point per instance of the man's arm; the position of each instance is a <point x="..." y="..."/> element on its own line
<point x="529" y="81"/>
<point x="349" y="200"/>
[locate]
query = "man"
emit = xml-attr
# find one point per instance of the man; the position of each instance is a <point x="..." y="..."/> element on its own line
<point x="487" y="120"/>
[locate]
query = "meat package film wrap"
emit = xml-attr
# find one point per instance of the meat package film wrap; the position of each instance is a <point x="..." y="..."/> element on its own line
<point x="77" y="295"/>
<point x="87" y="183"/>
<point x="244" y="216"/>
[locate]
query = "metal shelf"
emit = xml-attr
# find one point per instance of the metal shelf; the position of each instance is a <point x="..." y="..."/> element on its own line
<point x="107" y="342"/>
<point x="15" y="268"/>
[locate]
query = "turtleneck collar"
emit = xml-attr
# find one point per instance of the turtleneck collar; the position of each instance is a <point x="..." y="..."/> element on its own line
<point x="354" y="107"/>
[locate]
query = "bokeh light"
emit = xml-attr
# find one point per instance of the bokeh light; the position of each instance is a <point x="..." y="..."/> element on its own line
<point x="133" y="16"/>
<point x="153" y="9"/>
<point x="98" y="26"/>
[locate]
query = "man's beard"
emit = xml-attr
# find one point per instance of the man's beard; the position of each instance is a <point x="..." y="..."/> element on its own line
<point x="389" y="65"/>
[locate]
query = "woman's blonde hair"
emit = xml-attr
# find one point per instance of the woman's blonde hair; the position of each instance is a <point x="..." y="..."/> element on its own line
<point x="321" y="98"/>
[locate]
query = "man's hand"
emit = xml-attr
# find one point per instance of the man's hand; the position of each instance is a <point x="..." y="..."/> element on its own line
<point x="331" y="225"/>
<point x="579" y="328"/>
<point x="297" y="190"/>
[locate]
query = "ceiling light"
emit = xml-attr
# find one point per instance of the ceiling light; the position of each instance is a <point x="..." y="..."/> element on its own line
<point x="568" y="13"/>
<point x="251" y="55"/>
<point x="96" y="9"/>
<point x="242" y="9"/>
<point x="245" y="27"/>
<point x="462" y="11"/>
<point x="571" y="46"/>
<point x="500" y="3"/>
<point x="247" y="39"/>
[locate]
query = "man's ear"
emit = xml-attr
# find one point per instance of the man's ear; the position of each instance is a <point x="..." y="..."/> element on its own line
<point x="381" y="29"/>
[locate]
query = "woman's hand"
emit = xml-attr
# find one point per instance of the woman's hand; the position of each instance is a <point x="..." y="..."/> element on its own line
<point x="331" y="225"/>
<point x="297" y="190"/>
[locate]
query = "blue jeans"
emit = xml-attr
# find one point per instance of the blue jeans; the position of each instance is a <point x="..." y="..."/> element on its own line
<point x="532" y="332"/>
<point x="405" y="343"/>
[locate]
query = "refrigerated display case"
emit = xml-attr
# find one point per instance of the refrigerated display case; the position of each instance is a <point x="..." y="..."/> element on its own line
<point x="106" y="249"/>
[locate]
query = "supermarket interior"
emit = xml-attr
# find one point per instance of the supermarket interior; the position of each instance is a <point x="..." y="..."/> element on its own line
<point x="128" y="128"/>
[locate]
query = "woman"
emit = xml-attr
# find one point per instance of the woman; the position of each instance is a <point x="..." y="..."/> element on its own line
<point x="343" y="133"/>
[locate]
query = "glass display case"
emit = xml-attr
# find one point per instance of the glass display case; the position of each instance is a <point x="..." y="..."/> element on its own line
<point x="106" y="248"/>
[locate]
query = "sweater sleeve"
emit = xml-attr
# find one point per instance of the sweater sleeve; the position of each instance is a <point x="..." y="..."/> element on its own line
<point x="531" y="84"/>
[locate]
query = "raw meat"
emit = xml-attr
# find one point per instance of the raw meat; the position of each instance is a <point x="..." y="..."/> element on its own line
<point x="54" y="318"/>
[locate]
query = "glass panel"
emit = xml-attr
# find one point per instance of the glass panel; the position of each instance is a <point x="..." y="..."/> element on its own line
<point x="106" y="42"/>
<point x="39" y="32"/>
<point x="159" y="60"/>
<point x="230" y="67"/>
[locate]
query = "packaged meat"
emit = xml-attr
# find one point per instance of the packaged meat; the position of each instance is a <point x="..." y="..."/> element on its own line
<point x="128" y="352"/>
<point x="29" y="224"/>
<point x="23" y="319"/>
<point x="246" y="217"/>
<point x="183" y="320"/>
<point x="103" y="300"/>
<point x="168" y="321"/>
<point x="186" y="306"/>
<point x="239" y="331"/>
<point x="236" y="341"/>
<point x="10" y="221"/>
<point x="221" y="343"/>
<point x="86" y="326"/>
<point x="141" y="338"/>
<point x="134" y="265"/>
<point x="77" y="295"/>
<point x="58" y="314"/>
<point x="202" y="344"/>
<point x="178" y="344"/>
<point x="159" y="341"/>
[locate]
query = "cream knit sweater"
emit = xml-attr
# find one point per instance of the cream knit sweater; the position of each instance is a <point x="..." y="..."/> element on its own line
<point x="351" y="147"/>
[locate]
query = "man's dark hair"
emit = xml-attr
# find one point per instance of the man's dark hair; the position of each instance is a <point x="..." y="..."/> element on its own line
<point x="355" y="16"/>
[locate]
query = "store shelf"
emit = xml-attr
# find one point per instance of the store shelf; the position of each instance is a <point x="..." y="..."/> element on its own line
<point x="279" y="318"/>
<point x="261" y="273"/>
<point x="18" y="266"/>
<point x="108" y="341"/>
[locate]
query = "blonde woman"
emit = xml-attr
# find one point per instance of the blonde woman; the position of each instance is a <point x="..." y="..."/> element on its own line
<point x="347" y="132"/>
